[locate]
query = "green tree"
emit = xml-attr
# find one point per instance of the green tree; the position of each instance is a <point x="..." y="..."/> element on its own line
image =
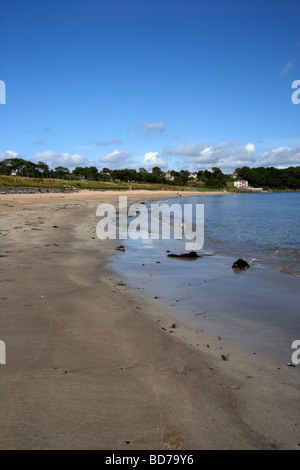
<point x="61" y="172"/>
<point x="43" y="168"/>
<point x="157" y="171"/>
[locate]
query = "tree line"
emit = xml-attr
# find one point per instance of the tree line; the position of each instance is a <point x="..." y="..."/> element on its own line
<point x="21" y="167"/>
<point x="270" y="177"/>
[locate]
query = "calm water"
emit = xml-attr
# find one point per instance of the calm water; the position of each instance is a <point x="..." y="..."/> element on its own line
<point x="262" y="228"/>
<point x="258" y="309"/>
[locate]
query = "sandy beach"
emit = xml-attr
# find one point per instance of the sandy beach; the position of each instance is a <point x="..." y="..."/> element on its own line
<point x="92" y="363"/>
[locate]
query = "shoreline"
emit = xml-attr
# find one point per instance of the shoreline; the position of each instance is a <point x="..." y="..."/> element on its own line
<point x="92" y="364"/>
<point x="201" y="295"/>
<point x="29" y="190"/>
<point x="92" y="193"/>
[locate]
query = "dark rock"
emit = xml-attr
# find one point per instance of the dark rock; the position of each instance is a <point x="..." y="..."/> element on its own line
<point x="240" y="264"/>
<point x="34" y="190"/>
<point x="190" y="255"/>
<point x="120" y="248"/>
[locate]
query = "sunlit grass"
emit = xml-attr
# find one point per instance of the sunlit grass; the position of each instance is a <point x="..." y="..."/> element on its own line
<point x="67" y="185"/>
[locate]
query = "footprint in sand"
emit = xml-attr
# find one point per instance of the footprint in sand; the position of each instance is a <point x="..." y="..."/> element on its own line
<point x="172" y="439"/>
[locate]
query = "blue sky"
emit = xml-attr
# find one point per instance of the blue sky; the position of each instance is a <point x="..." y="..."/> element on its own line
<point x="180" y="84"/>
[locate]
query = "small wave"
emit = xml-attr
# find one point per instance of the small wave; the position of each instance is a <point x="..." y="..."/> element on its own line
<point x="207" y="253"/>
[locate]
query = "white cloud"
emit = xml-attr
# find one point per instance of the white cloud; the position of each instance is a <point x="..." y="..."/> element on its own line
<point x="250" y="148"/>
<point x="185" y="150"/>
<point x="54" y="159"/>
<point x="109" y="142"/>
<point x="286" y="69"/>
<point x="154" y="126"/>
<point x="227" y="157"/>
<point x="117" y="158"/>
<point x="222" y="154"/>
<point x="281" y="156"/>
<point x="203" y="151"/>
<point x="153" y="159"/>
<point x="10" y="154"/>
<point x="225" y="144"/>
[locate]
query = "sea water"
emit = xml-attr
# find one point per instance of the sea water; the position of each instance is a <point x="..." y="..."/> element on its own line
<point x="257" y="309"/>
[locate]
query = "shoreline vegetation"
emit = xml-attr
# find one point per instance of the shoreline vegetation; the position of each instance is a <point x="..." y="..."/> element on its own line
<point x="7" y="182"/>
<point x="17" y="171"/>
<point x="95" y="364"/>
<point x="21" y="183"/>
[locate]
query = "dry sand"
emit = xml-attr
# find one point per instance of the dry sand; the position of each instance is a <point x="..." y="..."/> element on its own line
<point x="94" y="364"/>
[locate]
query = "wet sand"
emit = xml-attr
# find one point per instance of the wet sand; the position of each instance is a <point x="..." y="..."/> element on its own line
<point x="254" y="310"/>
<point x="95" y="364"/>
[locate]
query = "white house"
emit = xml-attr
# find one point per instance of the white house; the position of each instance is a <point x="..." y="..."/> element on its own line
<point x="242" y="184"/>
<point x="168" y="176"/>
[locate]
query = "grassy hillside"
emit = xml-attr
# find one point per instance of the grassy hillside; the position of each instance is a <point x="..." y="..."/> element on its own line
<point x="18" y="181"/>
